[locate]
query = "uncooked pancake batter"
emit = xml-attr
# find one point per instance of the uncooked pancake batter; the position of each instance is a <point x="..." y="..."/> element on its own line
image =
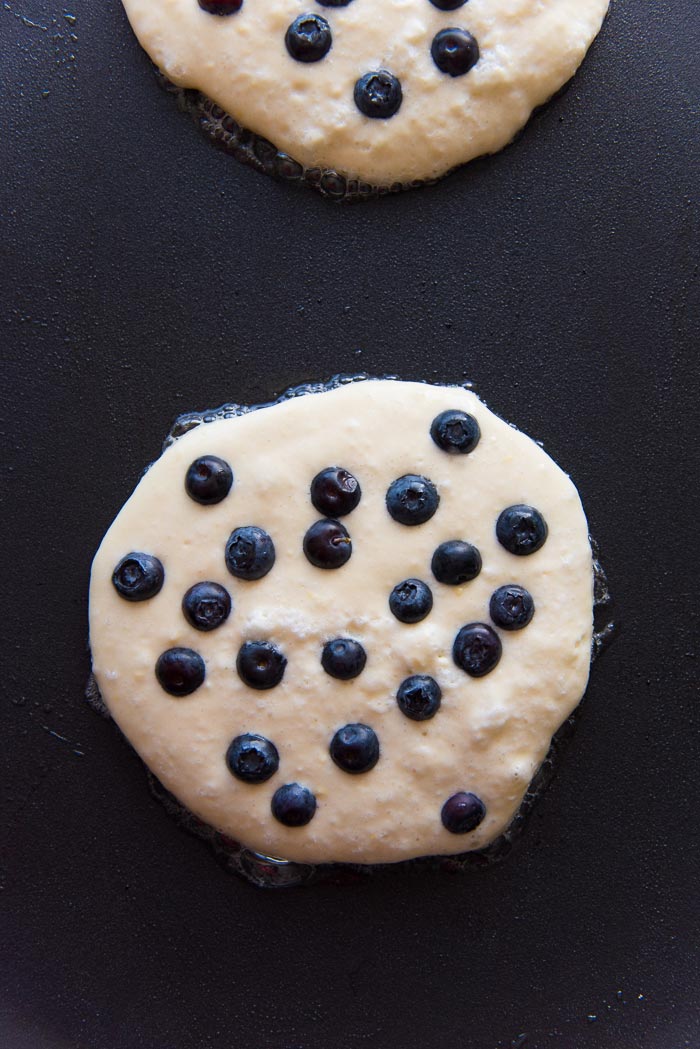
<point x="345" y="627"/>
<point x="388" y="92"/>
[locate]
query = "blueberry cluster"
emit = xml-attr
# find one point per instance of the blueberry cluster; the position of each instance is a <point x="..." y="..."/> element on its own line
<point x="334" y="492"/>
<point x="249" y="554"/>
<point x="354" y="748"/>
<point x="520" y="529"/>
<point x="378" y="93"/>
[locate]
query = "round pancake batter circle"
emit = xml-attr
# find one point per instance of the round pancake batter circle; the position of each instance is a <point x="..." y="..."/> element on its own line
<point x="460" y="704"/>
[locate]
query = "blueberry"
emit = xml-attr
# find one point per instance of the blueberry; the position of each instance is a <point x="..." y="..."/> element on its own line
<point x="355" y="748"/>
<point x="180" y="671"/>
<point x="208" y="480"/>
<point x="293" y="805"/>
<point x="252" y="758"/>
<point x="511" y="607"/>
<point x="308" y="38"/>
<point x="378" y="95"/>
<point x="455" y="432"/>
<point x="250" y="552"/>
<point x="334" y="3"/>
<point x="327" y="544"/>
<point x="448" y="5"/>
<point x="419" y="697"/>
<point x="221" y="7"/>
<point x="477" y="649"/>
<point x="412" y="500"/>
<point x="462" y="812"/>
<point x="411" y="600"/>
<point x="456" y="562"/>
<point x="521" y="529"/>
<point x="260" y="665"/>
<point x="335" y="492"/>
<point x="206" y="606"/>
<point x="343" y="658"/>
<point x="454" y="51"/>
<point x="138" y="576"/>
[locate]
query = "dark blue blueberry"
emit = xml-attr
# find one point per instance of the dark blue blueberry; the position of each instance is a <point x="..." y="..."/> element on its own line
<point x="180" y="671"/>
<point x="355" y="748"/>
<point x="250" y="552"/>
<point x="511" y="607"/>
<point x="456" y="562"/>
<point x="521" y="529"/>
<point x="419" y="697"/>
<point x="206" y="606"/>
<point x="378" y="95"/>
<point x="462" y="812"/>
<point x="411" y="600"/>
<point x="308" y="38"/>
<point x="208" y="480"/>
<point x="327" y="544"/>
<point x="455" y="432"/>
<point x="293" y="805"/>
<point x="335" y="492"/>
<point x="221" y="7"/>
<point x="412" y="499"/>
<point x="454" y="51"/>
<point x="334" y="3"/>
<point x="138" y="576"/>
<point x="448" y="5"/>
<point x="343" y="658"/>
<point x="252" y="758"/>
<point x="477" y="649"/>
<point x="260" y="665"/>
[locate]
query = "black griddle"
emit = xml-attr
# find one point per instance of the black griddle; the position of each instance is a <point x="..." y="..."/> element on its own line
<point x="144" y="274"/>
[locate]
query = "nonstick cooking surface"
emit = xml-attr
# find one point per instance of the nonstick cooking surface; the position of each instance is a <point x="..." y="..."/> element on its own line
<point x="146" y="274"/>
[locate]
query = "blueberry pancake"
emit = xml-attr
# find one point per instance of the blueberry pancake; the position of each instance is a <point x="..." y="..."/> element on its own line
<point x="344" y="627"/>
<point x="382" y="94"/>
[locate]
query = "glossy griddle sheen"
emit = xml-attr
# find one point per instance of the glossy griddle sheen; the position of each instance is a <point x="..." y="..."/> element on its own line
<point x="144" y="274"/>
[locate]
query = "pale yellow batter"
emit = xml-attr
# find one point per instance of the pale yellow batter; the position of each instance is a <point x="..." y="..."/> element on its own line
<point x="528" y="50"/>
<point x="490" y="734"/>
